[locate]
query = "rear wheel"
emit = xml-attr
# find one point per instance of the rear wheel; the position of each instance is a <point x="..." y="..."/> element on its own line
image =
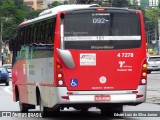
<point x="48" y="112"/>
<point x="85" y="109"/>
<point x="109" y="111"/>
<point x="23" y="107"/>
<point x="7" y="83"/>
<point x="82" y="109"/>
<point x="148" y="71"/>
<point x="42" y="109"/>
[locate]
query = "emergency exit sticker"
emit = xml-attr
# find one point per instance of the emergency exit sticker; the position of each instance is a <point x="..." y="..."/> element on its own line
<point x="88" y="59"/>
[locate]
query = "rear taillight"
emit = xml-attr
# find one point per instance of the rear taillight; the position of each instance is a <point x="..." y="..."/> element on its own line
<point x="143" y="79"/>
<point x="59" y="74"/>
<point x="137" y="12"/>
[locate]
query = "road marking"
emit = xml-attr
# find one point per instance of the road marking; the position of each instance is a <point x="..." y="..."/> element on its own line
<point x="8" y="90"/>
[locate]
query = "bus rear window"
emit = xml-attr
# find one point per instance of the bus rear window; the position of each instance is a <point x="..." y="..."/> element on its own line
<point x="102" y="31"/>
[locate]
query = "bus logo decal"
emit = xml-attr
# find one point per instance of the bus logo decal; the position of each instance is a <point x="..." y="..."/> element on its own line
<point x="121" y="63"/>
<point x="74" y="82"/>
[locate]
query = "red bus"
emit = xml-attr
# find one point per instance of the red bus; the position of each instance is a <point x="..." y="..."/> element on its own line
<point x="80" y="56"/>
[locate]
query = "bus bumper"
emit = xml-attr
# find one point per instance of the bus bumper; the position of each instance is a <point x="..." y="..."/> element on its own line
<point x="124" y="96"/>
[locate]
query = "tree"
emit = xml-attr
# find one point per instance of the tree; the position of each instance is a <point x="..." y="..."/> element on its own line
<point x="56" y="3"/>
<point x="6" y="17"/>
<point x="119" y="3"/>
<point x="8" y="8"/>
<point x="83" y="1"/>
<point x="32" y="14"/>
<point x="152" y="15"/>
<point x="111" y="3"/>
<point x="65" y="2"/>
<point x="1" y="2"/>
<point x="19" y="3"/>
<point x="12" y="13"/>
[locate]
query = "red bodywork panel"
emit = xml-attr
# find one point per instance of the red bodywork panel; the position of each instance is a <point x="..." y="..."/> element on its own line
<point x="20" y="79"/>
<point x="108" y="65"/>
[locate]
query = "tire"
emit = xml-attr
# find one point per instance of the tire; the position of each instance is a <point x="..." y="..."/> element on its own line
<point x="48" y="112"/>
<point x="109" y="111"/>
<point x="84" y="110"/>
<point x="7" y="83"/>
<point x="23" y="107"/>
<point x="45" y="112"/>
<point x="42" y="109"/>
<point x="149" y="72"/>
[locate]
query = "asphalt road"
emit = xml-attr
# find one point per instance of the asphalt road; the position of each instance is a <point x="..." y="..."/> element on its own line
<point x="152" y="105"/>
<point x="153" y="88"/>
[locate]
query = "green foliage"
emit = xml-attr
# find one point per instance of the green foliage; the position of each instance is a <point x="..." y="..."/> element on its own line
<point x="113" y="3"/>
<point x="56" y="3"/>
<point x="65" y="2"/>
<point x="7" y="13"/>
<point x="153" y="14"/>
<point x="12" y="13"/>
<point x="8" y="8"/>
<point x="19" y="4"/>
<point x="32" y="14"/>
<point x="151" y="17"/>
<point x="120" y="3"/>
<point x="83" y="1"/>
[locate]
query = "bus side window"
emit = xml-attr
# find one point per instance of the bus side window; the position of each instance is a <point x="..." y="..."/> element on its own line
<point x="23" y="54"/>
<point x="21" y="37"/>
<point x="18" y="55"/>
<point x="51" y="31"/>
<point x="14" y="56"/>
<point x="35" y="35"/>
<point x="39" y="33"/>
<point x="31" y="35"/>
<point x="18" y="38"/>
<point x="43" y="33"/>
<point x="25" y="36"/>
<point x="46" y="33"/>
<point x="30" y="50"/>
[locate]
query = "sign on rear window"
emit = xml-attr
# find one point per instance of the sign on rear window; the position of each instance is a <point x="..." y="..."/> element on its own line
<point x="102" y="24"/>
<point x="102" y="31"/>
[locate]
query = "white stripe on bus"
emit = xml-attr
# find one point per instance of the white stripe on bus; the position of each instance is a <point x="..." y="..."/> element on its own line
<point x="82" y="38"/>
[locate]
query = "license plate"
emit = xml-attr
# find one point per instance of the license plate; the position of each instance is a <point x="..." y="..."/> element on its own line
<point x="102" y="98"/>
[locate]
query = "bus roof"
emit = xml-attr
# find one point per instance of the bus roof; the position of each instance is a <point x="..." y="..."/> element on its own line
<point x="53" y="11"/>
